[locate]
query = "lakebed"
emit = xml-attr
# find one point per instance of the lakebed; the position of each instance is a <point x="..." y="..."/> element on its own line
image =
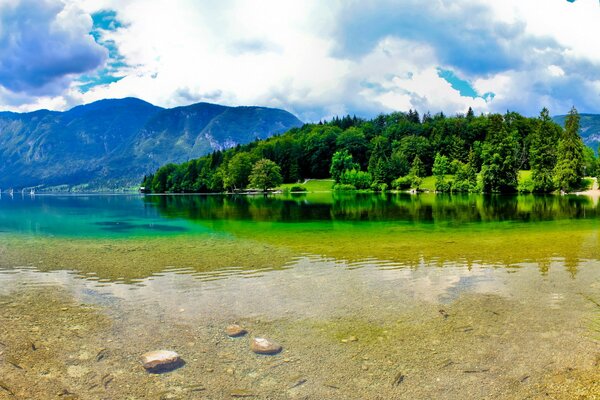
<point x="371" y="296"/>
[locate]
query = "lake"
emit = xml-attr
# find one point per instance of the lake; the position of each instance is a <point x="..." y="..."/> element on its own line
<point x="372" y="296"/>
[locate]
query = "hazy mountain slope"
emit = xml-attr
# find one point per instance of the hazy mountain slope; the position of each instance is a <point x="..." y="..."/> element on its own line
<point x="112" y="143"/>
<point x="590" y="128"/>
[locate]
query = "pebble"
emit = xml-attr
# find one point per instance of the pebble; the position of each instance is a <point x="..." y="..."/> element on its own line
<point x="159" y="358"/>
<point x="264" y="346"/>
<point x="235" y="331"/>
<point x="350" y="339"/>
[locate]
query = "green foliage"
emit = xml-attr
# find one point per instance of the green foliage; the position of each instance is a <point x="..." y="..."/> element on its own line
<point x="379" y="187"/>
<point x="542" y="153"/>
<point x="353" y="141"/>
<point x="162" y="180"/>
<point x="442" y="185"/>
<point x="402" y="183"/>
<point x="358" y="179"/>
<point x="341" y="187"/>
<point x="298" y="188"/>
<point x="527" y="185"/>
<point x="483" y="153"/>
<point x="465" y="177"/>
<point x="418" y="168"/>
<point x="441" y="167"/>
<point x="379" y="167"/>
<point x="416" y="181"/>
<point x="569" y="166"/>
<point x="590" y="162"/>
<point x="341" y="161"/>
<point x="265" y="175"/>
<point x="238" y="171"/>
<point x="454" y="166"/>
<point x="500" y="166"/>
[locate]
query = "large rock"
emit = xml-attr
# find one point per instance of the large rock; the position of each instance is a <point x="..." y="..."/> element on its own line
<point x="160" y="359"/>
<point x="235" y="331"/>
<point x="265" y="346"/>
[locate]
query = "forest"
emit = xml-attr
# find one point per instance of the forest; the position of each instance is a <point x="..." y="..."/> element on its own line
<point x="465" y="153"/>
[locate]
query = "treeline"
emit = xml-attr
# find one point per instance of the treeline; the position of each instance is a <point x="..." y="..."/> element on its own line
<point x="465" y="153"/>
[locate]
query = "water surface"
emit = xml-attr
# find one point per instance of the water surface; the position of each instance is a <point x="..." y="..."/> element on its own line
<point x="371" y="296"/>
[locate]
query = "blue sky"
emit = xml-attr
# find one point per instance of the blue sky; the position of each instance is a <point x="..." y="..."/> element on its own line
<point x="316" y="59"/>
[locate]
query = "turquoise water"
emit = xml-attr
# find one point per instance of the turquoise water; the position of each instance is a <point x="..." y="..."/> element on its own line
<point x="86" y="216"/>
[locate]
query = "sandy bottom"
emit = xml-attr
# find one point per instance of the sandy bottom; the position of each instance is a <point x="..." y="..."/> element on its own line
<point x="348" y="332"/>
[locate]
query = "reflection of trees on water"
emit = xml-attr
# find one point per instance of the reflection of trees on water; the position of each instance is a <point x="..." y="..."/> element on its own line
<point x="448" y="210"/>
<point x="504" y="247"/>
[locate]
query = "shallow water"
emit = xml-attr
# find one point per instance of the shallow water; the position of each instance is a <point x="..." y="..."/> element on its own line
<point x="371" y="296"/>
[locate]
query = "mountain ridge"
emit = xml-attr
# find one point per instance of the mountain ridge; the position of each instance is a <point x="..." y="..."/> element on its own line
<point x="589" y="128"/>
<point x="112" y="143"/>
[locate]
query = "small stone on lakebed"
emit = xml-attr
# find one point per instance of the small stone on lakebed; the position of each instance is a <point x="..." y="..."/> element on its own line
<point x="264" y="346"/>
<point x="235" y="331"/>
<point x="160" y="359"/>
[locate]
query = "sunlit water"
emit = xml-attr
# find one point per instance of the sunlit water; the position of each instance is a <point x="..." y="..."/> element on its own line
<point x="371" y="296"/>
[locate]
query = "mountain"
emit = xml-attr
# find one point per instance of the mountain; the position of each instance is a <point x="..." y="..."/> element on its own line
<point x="589" y="128"/>
<point x="113" y="143"/>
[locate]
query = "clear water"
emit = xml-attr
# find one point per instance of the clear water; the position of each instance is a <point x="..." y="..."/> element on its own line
<point x="371" y="296"/>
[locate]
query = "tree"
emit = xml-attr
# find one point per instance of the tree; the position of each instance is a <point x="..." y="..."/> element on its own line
<point x="238" y="171"/>
<point x="356" y="178"/>
<point x="568" y="172"/>
<point x="160" y="181"/>
<point x="500" y="168"/>
<point x="380" y="148"/>
<point x="340" y="162"/>
<point x="354" y="140"/>
<point x="590" y="162"/>
<point x="265" y="175"/>
<point x="417" y="169"/>
<point x="440" y="165"/>
<point x="542" y="153"/>
<point x="470" y="114"/>
<point x="439" y="170"/>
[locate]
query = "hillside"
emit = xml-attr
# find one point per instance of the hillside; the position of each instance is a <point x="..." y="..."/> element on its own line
<point x="462" y="153"/>
<point x="590" y="128"/>
<point x="113" y="143"/>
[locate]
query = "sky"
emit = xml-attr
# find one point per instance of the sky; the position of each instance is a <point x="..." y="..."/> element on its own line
<point x="313" y="58"/>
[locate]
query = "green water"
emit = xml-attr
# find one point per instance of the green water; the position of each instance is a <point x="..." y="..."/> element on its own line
<point x="446" y="296"/>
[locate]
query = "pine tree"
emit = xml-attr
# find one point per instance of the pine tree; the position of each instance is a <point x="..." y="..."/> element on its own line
<point x="417" y="168"/>
<point x="500" y="169"/>
<point x="470" y="114"/>
<point x="568" y="172"/>
<point x="542" y="153"/>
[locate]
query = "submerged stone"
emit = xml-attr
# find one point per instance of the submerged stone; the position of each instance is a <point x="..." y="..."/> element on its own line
<point x="265" y="346"/>
<point x="235" y="330"/>
<point x="160" y="359"/>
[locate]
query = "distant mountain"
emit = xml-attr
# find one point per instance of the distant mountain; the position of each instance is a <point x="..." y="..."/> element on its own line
<point x="589" y="128"/>
<point x="113" y="143"/>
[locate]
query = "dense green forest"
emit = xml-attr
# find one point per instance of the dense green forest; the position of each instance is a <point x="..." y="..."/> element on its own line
<point x="465" y="153"/>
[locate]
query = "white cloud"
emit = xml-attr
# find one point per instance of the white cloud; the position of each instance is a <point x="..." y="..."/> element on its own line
<point x="43" y="45"/>
<point x="290" y="54"/>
